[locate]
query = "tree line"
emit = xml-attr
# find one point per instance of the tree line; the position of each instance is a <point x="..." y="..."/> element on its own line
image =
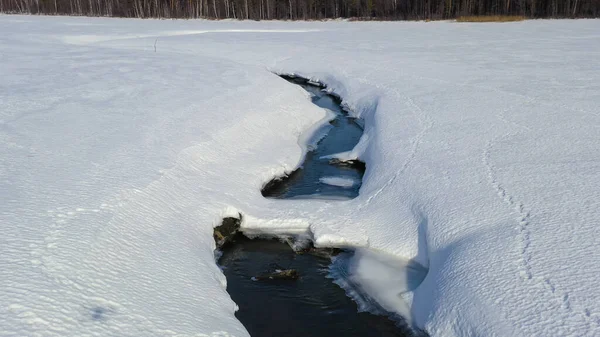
<point x="306" y="9"/>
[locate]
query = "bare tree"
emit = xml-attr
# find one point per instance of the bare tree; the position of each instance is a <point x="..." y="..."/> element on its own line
<point x="305" y="9"/>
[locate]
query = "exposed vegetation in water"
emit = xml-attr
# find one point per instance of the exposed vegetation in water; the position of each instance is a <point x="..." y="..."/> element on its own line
<point x="491" y="18"/>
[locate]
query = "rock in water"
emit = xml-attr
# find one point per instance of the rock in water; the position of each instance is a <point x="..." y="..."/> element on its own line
<point x="285" y="274"/>
<point x="226" y="231"/>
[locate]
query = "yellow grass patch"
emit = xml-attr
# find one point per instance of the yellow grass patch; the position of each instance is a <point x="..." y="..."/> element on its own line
<point x="490" y="18"/>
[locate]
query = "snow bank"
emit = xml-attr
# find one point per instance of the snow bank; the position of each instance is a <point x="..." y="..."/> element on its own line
<point x="481" y="143"/>
<point x="115" y="166"/>
<point x="376" y="281"/>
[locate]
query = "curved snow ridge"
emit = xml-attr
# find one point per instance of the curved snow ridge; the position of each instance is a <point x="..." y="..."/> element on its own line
<point x="91" y="39"/>
<point x="309" y="139"/>
<point x="427" y="123"/>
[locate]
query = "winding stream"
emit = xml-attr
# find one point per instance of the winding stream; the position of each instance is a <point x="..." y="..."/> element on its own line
<point x="282" y="292"/>
<point x="320" y="176"/>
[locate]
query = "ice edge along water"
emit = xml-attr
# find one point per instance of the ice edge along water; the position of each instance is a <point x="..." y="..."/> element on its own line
<point x="318" y="176"/>
<point x="375" y="281"/>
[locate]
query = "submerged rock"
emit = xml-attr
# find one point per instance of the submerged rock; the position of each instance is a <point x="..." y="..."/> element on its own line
<point x="285" y="274"/>
<point x="304" y="245"/>
<point x="224" y="233"/>
<point x="326" y="253"/>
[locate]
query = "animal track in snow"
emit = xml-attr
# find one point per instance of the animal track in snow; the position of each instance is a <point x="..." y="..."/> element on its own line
<point x="427" y="123"/>
<point x="524" y="236"/>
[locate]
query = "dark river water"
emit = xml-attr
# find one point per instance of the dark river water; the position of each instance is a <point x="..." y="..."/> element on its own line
<point x="318" y="177"/>
<point x="311" y="305"/>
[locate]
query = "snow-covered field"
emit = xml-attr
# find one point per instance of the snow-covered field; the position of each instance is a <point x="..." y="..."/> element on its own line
<point x="482" y="144"/>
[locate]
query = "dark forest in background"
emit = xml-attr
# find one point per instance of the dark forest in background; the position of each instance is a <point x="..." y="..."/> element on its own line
<point x="306" y="9"/>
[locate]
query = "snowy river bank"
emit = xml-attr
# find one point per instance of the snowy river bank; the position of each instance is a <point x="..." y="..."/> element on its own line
<point x="319" y="175"/>
<point x="309" y="302"/>
<point x="118" y="160"/>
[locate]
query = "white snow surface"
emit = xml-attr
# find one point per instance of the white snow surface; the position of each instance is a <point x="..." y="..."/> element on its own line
<point x="482" y="144"/>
